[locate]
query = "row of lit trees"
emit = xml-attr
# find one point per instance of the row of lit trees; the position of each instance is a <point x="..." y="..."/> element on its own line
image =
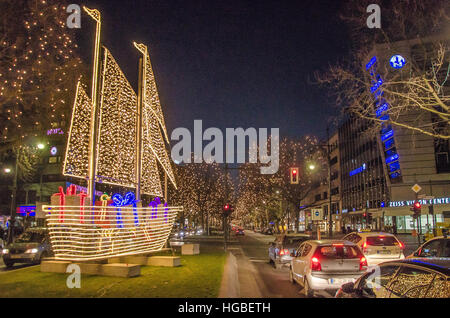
<point x="202" y="190"/>
<point x="264" y="199"/>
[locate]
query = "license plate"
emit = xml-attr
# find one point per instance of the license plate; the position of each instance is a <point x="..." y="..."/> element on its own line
<point x="340" y="281"/>
<point x="384" y="252"/>
<point x="15" y="256"/>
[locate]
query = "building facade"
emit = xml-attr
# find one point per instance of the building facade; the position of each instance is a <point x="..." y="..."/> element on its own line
<point x="319" y="195"/>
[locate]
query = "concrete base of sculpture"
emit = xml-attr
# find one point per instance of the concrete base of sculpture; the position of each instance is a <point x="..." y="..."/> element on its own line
<point x="114" y="269"/>
<point x="190" y="249"/>
<point x="166" y="261"/>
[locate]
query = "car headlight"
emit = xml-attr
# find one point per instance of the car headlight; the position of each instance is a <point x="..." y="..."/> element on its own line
<point x="5" y="251"/>
<point x="32" y="251"/>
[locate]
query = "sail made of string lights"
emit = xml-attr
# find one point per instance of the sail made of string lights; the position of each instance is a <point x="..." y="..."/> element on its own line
<point x="153" y="141"/>
<point x="77" y="150"/>
<point x="151" y="97"/>
<point x="116" y="157"/>
<point x="153" y="119"/>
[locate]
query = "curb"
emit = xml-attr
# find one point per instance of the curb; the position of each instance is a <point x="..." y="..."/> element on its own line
<point x="229" y="287"/>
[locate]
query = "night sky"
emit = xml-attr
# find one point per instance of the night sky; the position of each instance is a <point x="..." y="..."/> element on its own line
<point x="230" y="63"/>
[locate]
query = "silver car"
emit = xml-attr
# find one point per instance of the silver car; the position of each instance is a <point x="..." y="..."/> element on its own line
<point x="378" y="247"/>
<point x="326" y="265"/>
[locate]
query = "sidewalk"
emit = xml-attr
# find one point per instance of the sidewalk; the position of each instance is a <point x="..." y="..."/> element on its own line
<point x="240" y="278"/>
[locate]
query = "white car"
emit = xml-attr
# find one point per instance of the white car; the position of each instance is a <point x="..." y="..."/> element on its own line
<point x="378" y="247"/>
<point x="326" y="265"/>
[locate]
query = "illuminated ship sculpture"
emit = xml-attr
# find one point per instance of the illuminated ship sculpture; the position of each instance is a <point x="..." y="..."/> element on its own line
<point x="116" y="137"/>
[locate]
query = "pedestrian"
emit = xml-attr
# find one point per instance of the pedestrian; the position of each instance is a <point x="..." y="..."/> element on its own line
<point x="343" y="229"/>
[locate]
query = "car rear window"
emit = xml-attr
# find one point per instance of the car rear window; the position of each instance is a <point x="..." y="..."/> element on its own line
<point x="293" y="240"/>
<point x="346" y="251"/>
<point x="381" y="240"/>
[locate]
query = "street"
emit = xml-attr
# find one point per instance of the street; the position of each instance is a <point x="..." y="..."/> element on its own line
<point x="258" y="278"/>
<point x="272" y="283"/>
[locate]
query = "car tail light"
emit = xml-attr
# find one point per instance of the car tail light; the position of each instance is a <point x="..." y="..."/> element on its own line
<point x="338" y="244"/>
<point x="401" y="245"/>
<point x="315" y="264"/>
<point x="362" y="263"/>
<point x="365" y="247"/>
<point x="284" y="252"/>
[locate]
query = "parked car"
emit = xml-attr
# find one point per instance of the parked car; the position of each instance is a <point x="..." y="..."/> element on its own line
<point x="283" y="248"/>
<point x="267" y="231"/>
<point x="30" y="247"/>
<point x="436" y="247"/>
<point x="326" y="265"/>
<point x="409" y="278"/>
<point x="377" y="247"/>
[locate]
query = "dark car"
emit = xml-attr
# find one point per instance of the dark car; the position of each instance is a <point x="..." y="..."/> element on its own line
<point x="436" y="247"/>
<point x="408" y="278"/>
<point x="240" y="232"/>
<point x="267" y="231"/>
<point x="30" y="247"/>
<point x="284" y="247"/>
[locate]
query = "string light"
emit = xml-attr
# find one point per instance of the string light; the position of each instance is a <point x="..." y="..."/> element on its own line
<point x="75" y="241"/>
<point x="77" y="150"/>
<point x="117" y="145"/>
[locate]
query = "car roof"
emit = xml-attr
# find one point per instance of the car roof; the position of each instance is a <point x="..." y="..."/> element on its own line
<point x="439" y="264"/>
<point x="372" y="233"/>
<point x="327" y="242"/>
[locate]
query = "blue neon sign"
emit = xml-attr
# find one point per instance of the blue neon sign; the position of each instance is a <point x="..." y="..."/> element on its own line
<point x="397" y="61"/>
<point x="358" y="170"/>
<point x="381" y="107"/>
<point x="392" y="158"/>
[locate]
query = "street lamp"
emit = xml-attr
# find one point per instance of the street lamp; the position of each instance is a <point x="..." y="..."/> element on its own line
<point x="7" y="170"/>
<point x="311" y="167"/>
<point x="40" y="146"/>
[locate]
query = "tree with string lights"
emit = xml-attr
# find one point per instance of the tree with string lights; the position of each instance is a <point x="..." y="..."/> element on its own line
<point x="272" y="198"/>
<point x="202" y="191"/>
<point x="39" y="65"/>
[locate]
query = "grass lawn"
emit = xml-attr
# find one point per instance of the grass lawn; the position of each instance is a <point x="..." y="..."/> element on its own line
<point x="198" y="276"/>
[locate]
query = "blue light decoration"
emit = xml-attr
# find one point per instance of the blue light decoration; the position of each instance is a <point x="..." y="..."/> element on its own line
<point x="397" y="61"/>
<point x="387" y="135"/>
<point x="154" y="205"/>
<point x="391" y="158"/>
<point x="382" y="106"/>
<point x="26" y="210"/>
<point x="53" y="151"/>
<point x="389" y="144"/>
<point x="358" y="170"/>
<point x="383" y="204"/>
<point x="119" y="201"/>
<point x="380" y="110"/>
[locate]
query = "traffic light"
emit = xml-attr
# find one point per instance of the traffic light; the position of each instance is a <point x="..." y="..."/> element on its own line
<point x="294" y="175"/>
<point x="416" y="209"/>
<point x="227" y="209"/>
<point x="364" y="217"/>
